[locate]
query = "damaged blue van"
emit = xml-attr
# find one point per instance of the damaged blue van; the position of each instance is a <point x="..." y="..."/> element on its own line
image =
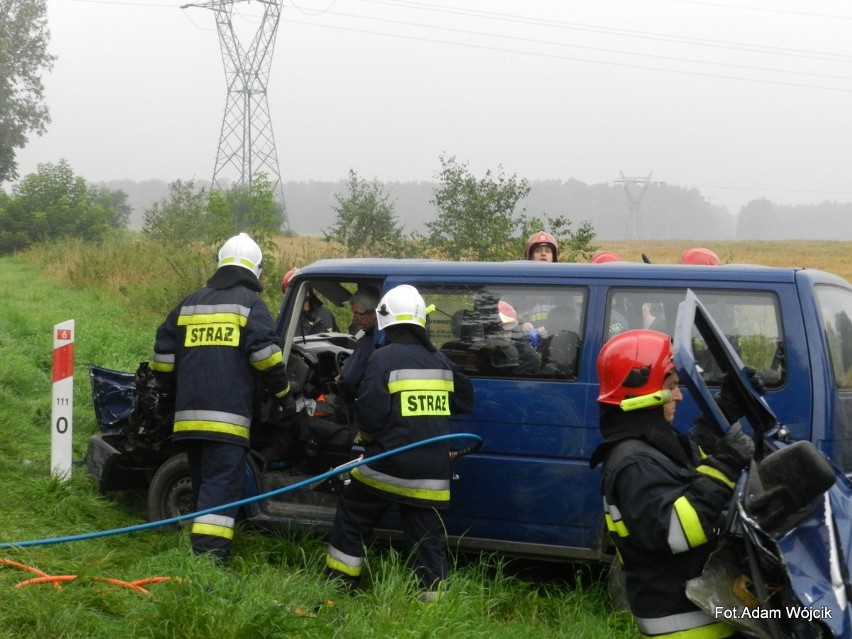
<point x="528" y="335"/>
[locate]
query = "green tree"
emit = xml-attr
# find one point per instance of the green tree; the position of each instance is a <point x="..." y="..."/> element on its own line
<point x="54" y="203"/>
<point x="476" y="218"/>
<point x="179" y="216"/>
<point x="192" y="212"/>
<point x="23" y="58"/>
<point x="366" y="222"/>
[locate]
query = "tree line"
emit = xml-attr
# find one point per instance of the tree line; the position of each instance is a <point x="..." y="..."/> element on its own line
<point x="478" y="217"/>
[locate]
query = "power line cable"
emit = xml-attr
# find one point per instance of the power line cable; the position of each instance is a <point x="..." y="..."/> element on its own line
<point x="649" y="35"/>
<point x="578" y="59"/>
<point x="596" y="49"/>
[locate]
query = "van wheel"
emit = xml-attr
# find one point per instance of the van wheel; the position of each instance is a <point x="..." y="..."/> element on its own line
<point x="170" y="493"/>
<point x="616" y="586"/>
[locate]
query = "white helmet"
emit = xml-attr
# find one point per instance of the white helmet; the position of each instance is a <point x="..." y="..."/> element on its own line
<point x="243" y="251"/>
<point x="401" y="305"/>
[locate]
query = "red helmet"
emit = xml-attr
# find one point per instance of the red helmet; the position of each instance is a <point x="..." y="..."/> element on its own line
<point x="285" y="281"/>
<point x="700" y="256"/>
<point x="605" y="256"/>
<point x="634" y="363"/>
<point x="538" y="239"/>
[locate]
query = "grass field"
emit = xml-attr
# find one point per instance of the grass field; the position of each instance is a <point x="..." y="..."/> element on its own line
<point x="834" y="257"/>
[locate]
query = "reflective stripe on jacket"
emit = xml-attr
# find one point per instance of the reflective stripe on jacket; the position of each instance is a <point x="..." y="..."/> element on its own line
<point x="407" y="395"/>
<point x="219" y="349"/>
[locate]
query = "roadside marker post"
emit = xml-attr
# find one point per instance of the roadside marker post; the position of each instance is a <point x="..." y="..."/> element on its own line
<point x="62" y="400"/>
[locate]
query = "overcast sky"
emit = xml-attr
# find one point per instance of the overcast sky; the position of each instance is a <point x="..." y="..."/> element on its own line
<point x="739" y="98"/>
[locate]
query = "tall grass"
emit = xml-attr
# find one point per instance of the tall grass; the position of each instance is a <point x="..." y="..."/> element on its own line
<point x="273" y="587"/>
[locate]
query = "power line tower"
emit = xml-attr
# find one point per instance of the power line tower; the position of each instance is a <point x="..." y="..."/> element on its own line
<point x="246" y="142"/>
<point x="634" y="202"/>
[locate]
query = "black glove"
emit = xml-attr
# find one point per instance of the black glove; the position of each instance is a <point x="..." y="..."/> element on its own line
<point x="288" y="406"/>
<point x="733" y="453"/>
<point x="728" y="400"/>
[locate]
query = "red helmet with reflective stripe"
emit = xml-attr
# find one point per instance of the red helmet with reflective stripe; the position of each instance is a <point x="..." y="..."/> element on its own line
<point x="700" y="256"/>
<point x="605" y="256"/>
<point x="634" y="363"/>
<point x="539" y="239"/>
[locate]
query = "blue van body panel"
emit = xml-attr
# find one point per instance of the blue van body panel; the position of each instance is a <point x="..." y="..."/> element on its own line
<point x="531" y="483"/>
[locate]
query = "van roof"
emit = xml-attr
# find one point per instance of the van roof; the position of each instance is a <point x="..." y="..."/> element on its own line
<point x="544" y="271"/>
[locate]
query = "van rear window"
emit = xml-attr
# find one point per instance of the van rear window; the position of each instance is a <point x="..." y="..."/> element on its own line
<point x="508" y="331"/>
<point x="835" y="305"/>
<point x="750" y="320"/>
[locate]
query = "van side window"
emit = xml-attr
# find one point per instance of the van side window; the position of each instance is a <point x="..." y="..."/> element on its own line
<point x="508" y="331"/>
<point x="749" y="319"/>
<point x="835" y="304"/>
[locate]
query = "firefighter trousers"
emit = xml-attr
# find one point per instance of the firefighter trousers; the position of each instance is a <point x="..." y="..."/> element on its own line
<point x="358" y="513"/>
<point x="218" y="477"/>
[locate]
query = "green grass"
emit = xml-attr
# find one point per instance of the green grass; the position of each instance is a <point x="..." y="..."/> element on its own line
<point x="273" y="583"/>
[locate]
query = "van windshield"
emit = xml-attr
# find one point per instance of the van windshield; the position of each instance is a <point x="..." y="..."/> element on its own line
<point x="835" y="305"/>
<point x="751" y="322"/>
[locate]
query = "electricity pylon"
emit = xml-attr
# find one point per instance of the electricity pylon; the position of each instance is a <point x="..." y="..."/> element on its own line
<point x="634" y="223"/>
<point x="246" y="142"/>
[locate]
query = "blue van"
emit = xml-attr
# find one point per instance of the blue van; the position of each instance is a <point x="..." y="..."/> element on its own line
<point x="528" y="335"/>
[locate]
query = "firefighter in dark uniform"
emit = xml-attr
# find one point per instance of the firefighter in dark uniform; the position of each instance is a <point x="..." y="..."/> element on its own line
<point x="218" y="350"/>
<point x="407" y="394"/>
<point x="663" y="497"/>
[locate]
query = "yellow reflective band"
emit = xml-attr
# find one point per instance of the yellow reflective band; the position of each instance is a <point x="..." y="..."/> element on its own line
<point x="407" y="317"/>
<point x="162" y="367"/>
<point x="270" y="361"/>
<point x="617" y="527"/>
<point x="212" y="530"/>
<point x="422" y="403"/>
<point x="211" y="427"/>
<point x="711" y="631"/>
<point x="212" y="335"/>
<point x="339" y="566"/>
<point x="243" y="261"/>
<point x="420" y="384"/>
<point x="428" y="494"/>
<point x="689" y="522"/>
<point x="212" y="318"/>
<point x="716" y="474"/>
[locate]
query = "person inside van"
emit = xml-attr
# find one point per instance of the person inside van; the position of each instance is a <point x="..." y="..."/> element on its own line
<point x="363" y="306"/>
<point x="528" y="361"/>
<point x="662" y="500"/>
<point x="653" y="316"/>
<point x="316" y="318"/>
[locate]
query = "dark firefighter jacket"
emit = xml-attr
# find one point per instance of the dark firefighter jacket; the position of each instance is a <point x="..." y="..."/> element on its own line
<point x="219" y="348"/>
<point x="661" y="506"/>
<point x="408" y="394"/>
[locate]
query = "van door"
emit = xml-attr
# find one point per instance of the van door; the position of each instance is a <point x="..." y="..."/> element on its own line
<point x="529" y="490"/>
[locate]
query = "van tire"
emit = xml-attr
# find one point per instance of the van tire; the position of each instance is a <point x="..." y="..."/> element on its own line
<point x="170" y="492"/>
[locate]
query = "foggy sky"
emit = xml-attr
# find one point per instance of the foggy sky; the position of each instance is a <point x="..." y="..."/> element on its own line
<point x="740" y="99"/>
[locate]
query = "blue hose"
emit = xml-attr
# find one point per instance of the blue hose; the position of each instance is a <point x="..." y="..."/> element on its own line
<point x="174" y="520"/>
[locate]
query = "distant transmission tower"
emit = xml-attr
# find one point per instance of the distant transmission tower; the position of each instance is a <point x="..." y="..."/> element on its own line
<point x="634" y="222"/>
<point x="246" y="142"/>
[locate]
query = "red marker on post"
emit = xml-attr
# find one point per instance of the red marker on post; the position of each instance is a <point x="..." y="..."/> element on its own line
<point x="62" y="400"/>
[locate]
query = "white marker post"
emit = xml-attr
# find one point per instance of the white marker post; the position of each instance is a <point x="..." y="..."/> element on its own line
<point x="63" y="399"/>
